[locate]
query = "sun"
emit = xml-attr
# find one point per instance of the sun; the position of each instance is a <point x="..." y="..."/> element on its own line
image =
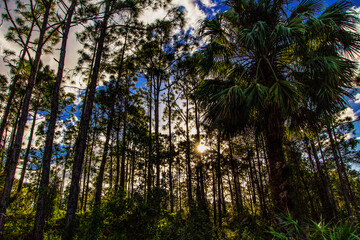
<point x="201" y="148"/>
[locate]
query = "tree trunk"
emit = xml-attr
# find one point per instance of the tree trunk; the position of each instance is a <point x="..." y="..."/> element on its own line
<point x="82" y="200"/>
<point x="13" y="133"/>
<point x="341" y="177"/>
<point x="117" y="177"/>
<point x="12" y="88"/>
<point x="218" y="176"/>
<point x="342" y="164"/>
<point x="252" y="180"/>
<point x="262" y="191"/>
<point x="238" y="197"/>
<point x="124" y="143"/>
<point x="14" y="154"/>
<point x="278" y="168"/>
<point x="111" y="163"/>
<point x="156" y="113"/>
<point x="188" y="160"/>
<point x="150" y="163"/>
<point x="42" y="203"/>
<point x="100" y="178"/>
<point x="80" y="144"/>
<point x="171" y="157"/>
<point x="133" y="170"/>
<point x="64" y="172"/>
<point x="27" y="153"/>
<point x="91" y="153"/>
<point x="327" y="201"/>
<point x="214" y="194"/>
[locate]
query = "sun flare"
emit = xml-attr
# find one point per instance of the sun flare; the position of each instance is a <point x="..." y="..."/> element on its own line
<point x="201" y="148"/>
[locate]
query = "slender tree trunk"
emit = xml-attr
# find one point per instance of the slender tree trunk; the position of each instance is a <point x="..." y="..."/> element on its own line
<point x="100" y="178"/>
<point x="84" y="173"/>
<point x="171" y="157"/>
<point x="2" y="150"/>
<point x="80" y="144"/>
<point x="214" y="194"/>
<point x="262" y="192"/>
<point x="42" y="203"/>
<point x="117" y="177"/>
<point x="64" y="172"/>
<point x="343" y="168"/>
<point x="232" y="195"/>
<point x="223" y="203"/>
<point x="218" y="176"/>
<point x="200" y="163"/>
<point x="325" y="171"/>
<point x="124" y="144"/>
<point x="150" y="163"/>
<point x="304" y="182"/>
<point x="90" y="162"/>
<point x="12" y="88"/>
<point x="15" y="152"/>
<point x="188" y="160"/>
<point x="238" y="197"/>
<point x="341" y="177"/>
<point x="27" y="153"/>
<point x="252" y="181"/>
<point x="111" y="163"/>
<point x="179" y="186"/>
<point x="13" y="134"/>
<point x="133" y="162"/>
<point x="327" y="201"/>
<point x="256" y="178"/>
<point x="157" y="150"/>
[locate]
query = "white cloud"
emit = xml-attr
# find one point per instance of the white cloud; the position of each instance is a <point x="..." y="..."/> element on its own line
<point x="348" y="112"/>
<point x="193" y="14"/>
<point x="357" y="98"/>
<point x="208" y="3"/>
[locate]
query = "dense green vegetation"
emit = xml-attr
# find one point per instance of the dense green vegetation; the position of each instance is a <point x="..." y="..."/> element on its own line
<point x="235" y="130"/>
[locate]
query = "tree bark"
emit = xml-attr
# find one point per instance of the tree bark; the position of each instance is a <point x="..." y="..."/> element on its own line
<point x="343" y="168"/>
<point x="218" y="176"/>
<point x="278" y="168"/>
<point x="214" y="194"/>
<point x="27" y="153"/>
<point x="64" y="172"/>
<point x="262" y="191"/>
<point x="238" y="197"/>
<point x="340" y="173"/>
<point x="14" y="154"/>
<point x="156" y="113"/>
<point x="188" y="159"/>
<point x="43" y="201"/>
<point x="150" y="157"/>
<point x="123" y="151"/>
<point x="80" y="144"/>
<point x="327" y="201"/>
<point x="171" y="157"/>
<point x="100" y="178"/>
<point x="12" y="88"/>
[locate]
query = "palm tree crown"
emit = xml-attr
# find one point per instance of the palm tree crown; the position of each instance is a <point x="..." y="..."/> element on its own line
<point x="269" y="63"/>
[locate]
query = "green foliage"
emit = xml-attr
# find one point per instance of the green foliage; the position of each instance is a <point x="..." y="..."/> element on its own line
<point x="289" y="228"/>
<point x="20" y="216"/>
<point x="121" y="217"/>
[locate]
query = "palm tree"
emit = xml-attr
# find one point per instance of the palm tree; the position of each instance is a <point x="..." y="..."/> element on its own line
<point x="253" y="54"/>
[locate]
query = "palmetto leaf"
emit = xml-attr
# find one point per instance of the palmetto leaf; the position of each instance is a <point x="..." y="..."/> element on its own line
<point x="284" y="95"/>
<point x="256" y="95"/>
